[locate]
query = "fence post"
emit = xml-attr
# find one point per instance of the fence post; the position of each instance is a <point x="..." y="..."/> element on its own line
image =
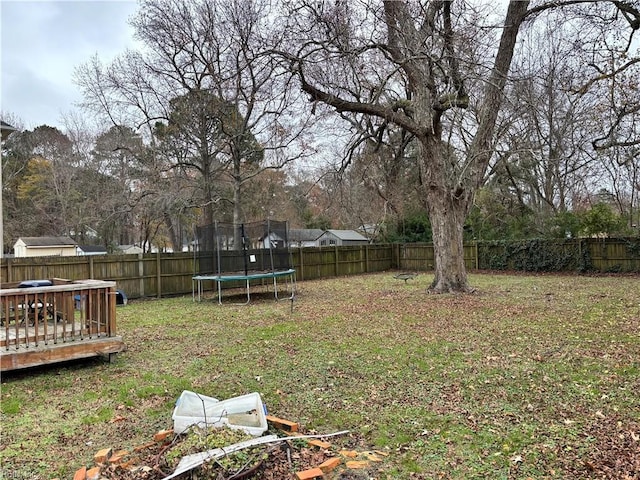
<point x="301" y="262"/>
<point x="395" y="255"/>
<point x="476" y="254"/>
<point x="141" y="273"/>
<point x="580" y="259"/>
<point x="91" y="276"/>
<point x="335" y="252"/>
<point x="366" y="258"/>
<point x="158" y="275"/>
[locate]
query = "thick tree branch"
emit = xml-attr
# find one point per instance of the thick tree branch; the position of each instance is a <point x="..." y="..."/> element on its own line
<point x="630" y="10"/>
<point x="480" y="149"/>
<point x="389" y="114"/>
<point x="459" y="97"/>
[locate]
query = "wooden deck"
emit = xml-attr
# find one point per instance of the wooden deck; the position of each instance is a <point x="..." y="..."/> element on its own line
<point x="65" y="321"/>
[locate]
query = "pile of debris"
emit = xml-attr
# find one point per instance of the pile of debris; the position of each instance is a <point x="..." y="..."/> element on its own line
<point x="267" y="447"/>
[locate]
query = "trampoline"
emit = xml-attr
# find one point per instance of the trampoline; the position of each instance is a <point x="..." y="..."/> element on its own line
<point x="245" y="254"/>
<point x="220" y="279"/>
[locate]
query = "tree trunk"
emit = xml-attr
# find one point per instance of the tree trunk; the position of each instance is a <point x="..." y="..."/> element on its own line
<point x="447" y="215"/>
<point x="174" y="232"/>
<point x="237" y="211"/>
<point x="447" y="206"/>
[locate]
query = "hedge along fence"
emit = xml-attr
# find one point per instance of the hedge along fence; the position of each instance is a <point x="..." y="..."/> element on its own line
<point x="162" y="274"/>
<point x="575" y="255"/>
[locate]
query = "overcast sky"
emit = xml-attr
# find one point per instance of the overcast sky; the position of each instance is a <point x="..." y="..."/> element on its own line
<point x="41" y="44"/>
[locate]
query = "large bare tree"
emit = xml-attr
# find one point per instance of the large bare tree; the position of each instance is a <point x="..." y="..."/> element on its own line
<point x="421" y="65"/>
<point x="205" y="76"/>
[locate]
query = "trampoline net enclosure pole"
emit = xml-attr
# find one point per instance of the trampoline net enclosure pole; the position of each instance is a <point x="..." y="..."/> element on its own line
<point x="244" y="249"/>
<point x="269" y="240"/>
<point x="261" y="246"/>
<point x="216" y="232"/>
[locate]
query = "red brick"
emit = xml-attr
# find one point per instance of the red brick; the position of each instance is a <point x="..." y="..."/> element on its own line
<point x="320" y="443"/>
<point x="162" y="435"/>
<point x="357" y="464"/>
<point x="316" y="443"/>
<point x="129" y="464"/>
<point x="372" y="456"/>
<point x="93" y="473"/>
<point x="330" y="464"/>
<point x="139" y="448"/>
<point x="349" y="453"/>
<point x="118" y="457"/>
<point x="282" y="424"/>
<point x="81" y="474"/>
<point x="102" y="456"/>
<point x="309" y="474"/>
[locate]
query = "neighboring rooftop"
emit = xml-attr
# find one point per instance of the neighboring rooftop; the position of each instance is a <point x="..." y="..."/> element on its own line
<point x="6" y="129"/>
<point x="347" y="234"/>
<point x="46" y="241"/>
<point x="304" y="234"/>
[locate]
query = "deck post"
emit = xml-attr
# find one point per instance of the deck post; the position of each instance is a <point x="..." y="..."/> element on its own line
<point x="111" y="308"/>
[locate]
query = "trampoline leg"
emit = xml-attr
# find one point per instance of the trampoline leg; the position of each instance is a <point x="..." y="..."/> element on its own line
<point x="275" y="288"/>
<point x="248" y="294"/>
<point x="293" y="288"/>
<point x="219" y="293"/>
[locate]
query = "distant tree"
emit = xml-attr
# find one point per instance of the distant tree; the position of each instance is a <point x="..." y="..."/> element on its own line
<point x="545" y="150"/>
<point x="116" y="155"/>
<point x="45" y="198"/>
<point x="378" y="185"/>
<point x="602" y="220"/>
<point x="413" y="227"/>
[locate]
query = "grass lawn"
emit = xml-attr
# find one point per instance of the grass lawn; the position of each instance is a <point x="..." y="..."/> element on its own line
<point x="530" y="377"/>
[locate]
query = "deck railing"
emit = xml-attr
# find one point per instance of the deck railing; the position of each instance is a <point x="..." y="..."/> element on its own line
<point x="65" y="312"/>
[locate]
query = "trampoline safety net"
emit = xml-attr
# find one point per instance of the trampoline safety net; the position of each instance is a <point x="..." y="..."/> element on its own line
<point x="243" y="248"/>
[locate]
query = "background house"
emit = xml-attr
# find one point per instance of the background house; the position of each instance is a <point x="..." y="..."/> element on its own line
<point x="304" y="237"/>
<point x="342" y="237"/>
<point x="91" y="250"/>
<point x="128" y="249"/>
<point x="273" y="240"/>
<point x="44" y="247"/>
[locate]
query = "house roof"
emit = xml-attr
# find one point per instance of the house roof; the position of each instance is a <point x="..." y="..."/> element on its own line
<point x="304" y="234"/>
<point x="92" y="248"/>
<point x="348" y="235"/>
<point x="47" y="241"/>
<point x="129" y="247"/>
<point x="6" y="129"/>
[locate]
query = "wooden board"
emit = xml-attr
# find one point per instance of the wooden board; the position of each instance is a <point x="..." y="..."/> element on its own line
<point x="13" y="359"/>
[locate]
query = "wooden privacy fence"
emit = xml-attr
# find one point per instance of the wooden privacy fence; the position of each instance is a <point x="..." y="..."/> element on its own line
<point x="163" y="274"/>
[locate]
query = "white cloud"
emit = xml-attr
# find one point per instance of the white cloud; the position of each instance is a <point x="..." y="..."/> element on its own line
<point x="43" y="42"/>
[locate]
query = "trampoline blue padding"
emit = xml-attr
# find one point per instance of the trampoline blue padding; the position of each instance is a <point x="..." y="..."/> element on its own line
<point x="235" y="277"/>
